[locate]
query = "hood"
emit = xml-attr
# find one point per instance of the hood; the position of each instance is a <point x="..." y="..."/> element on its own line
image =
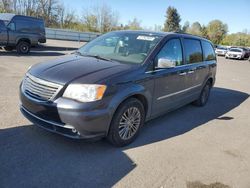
<point x="220" y="50"/>
<point x="72" y="67"/>
<point x="235" y="53"/>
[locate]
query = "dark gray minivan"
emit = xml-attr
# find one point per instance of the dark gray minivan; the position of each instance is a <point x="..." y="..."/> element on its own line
<point x="20" y="32"/>
<point x="115" y="83"/>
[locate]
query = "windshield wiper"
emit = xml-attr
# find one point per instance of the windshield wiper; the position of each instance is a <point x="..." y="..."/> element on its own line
<point x="76" y="52"/>
<point x="97" y="57"/>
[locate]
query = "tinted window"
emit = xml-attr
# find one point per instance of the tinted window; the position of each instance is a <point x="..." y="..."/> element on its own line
<point x="2" y="25"/>
<point x="12" y="26"/>
<point x="235" y="50"/>
<point x="28" y="26"/>
<point x="172" y="51"/>
<point x="221" y="48"/>
<point x="208" y="51"/>
<point x="193" y="51"/>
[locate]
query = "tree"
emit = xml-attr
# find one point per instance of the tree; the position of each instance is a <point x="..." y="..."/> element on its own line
<point x="195" y="29"/>
<point x="204" y="31"/>
<point x="157" y="27"/>
<point x="135" y="24"/>
<point x="91" y="22"/>
<point x="216" y="31"/>
<point x="172" y="23"/>
<point x="237" y="39"/>
<point x="6" y="6"/>
<point x="185" y="27"/>
<point x="106" y="19"/>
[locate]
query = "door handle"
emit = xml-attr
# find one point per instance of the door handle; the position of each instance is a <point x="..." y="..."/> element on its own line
<point x="183" y="73"/>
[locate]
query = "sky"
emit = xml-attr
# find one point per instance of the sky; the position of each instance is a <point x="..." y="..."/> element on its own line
<point x="152" y="12"/>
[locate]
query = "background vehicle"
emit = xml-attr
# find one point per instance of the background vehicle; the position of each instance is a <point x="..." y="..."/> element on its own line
<point x="221" y="50"/>
<point x="116" y="82"/>
<point x="247" y="52"/>
<point x="20" y="32"/>
<point x="235" y="53"/>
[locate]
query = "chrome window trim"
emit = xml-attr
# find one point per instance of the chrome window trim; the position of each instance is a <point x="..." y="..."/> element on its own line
<point x="185" y="65"/>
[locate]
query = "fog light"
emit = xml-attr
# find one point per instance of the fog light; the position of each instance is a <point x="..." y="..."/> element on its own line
<point x="74" y="130"/>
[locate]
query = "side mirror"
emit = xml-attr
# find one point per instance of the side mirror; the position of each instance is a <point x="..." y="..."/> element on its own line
<point x="165" y="63"/>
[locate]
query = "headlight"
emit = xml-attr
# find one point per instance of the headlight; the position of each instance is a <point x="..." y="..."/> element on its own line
<point x="85" y="92"/>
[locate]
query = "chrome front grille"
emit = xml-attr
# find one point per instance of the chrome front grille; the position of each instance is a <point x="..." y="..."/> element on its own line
<point x="40" y="89"/>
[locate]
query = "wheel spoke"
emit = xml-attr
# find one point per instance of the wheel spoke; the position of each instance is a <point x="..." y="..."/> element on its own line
<point x="129" y="123"/>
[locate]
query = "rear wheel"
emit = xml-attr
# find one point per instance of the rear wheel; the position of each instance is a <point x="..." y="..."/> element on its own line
<point x="126" y="122"/>
<point x="202" y="100"/>
<point x="9" y="48"/>
<point x="23" y="47"/>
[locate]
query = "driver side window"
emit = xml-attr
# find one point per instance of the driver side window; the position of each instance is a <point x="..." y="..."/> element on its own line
<point x="12" y="26"/>
<point x="172" y="51"/>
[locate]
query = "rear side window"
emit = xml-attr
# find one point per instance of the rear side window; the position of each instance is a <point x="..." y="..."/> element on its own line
<point x="23" y="26"/>
<point x="208" y="51"/>
<point x="172" y="50"/>
<point x="29" y="26"/>
<point x="193" y="51"/>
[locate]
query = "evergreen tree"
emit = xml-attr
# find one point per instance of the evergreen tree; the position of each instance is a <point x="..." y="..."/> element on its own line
<point x="185" y="27"/>
<point x="172" y="23"/>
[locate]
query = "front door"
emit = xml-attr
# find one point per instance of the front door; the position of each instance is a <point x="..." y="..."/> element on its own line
<point x="170" y="83"/>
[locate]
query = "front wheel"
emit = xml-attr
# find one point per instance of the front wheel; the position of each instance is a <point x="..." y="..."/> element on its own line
<point x="203" y="98"/>
<point x="126" y="122"/>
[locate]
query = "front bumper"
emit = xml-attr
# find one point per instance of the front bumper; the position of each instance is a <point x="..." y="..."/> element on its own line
<point x="220" y="53"/>
<point x="67" y="117"/>
<point x="230" y="56"/>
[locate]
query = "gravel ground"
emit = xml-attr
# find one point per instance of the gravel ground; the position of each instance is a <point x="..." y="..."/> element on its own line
<point x="191" y="147"/>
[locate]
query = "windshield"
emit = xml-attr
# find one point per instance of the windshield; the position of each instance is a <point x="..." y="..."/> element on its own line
<point x="125" y="47"/>
<point x="221" y="48"/>
<point x="235" y="50"/>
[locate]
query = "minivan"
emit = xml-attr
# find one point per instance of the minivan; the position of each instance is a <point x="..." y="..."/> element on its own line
<point x="20" y="32"/>
<point x="113" y="84"/>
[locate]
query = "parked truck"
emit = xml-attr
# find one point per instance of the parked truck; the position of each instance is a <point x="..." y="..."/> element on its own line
<point x="20" y="32"/>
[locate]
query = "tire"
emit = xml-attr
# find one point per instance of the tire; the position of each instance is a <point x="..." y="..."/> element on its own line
<point x="23" y="47"/>
<point x="121" y="125"/>
<point x="204" y="96"/>
<point x="8" y="48"/>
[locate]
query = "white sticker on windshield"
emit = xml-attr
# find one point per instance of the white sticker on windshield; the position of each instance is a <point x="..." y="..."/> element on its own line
<point x="140" y="37"/>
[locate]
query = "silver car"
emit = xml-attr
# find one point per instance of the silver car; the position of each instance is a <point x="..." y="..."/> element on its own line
<point x="235" y="53"/>
<point x="221" y="51"/>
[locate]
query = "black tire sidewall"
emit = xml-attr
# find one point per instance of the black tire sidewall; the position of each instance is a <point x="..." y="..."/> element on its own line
<point x="20" y="45"/>
<point x="206" y="88"/>
<point x="113" y="135"/>
<point x="199" y="101"/>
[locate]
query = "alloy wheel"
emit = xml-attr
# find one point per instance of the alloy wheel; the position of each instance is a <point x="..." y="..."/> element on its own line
<point x="129" y="123"/>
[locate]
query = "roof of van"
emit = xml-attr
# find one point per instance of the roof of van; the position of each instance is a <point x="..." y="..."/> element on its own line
<point x="163" y="34"/>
